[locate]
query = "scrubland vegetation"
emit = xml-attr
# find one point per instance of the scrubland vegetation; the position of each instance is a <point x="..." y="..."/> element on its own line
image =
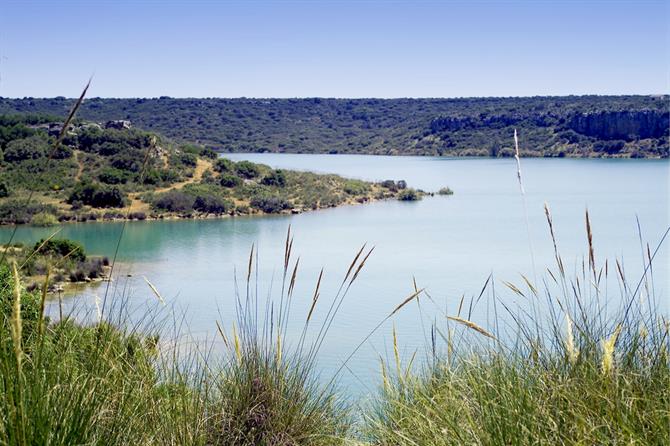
<point x="98" y="172"/>
<point x="560" y="126"/>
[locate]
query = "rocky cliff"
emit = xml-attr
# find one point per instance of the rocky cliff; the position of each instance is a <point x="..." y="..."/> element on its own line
<point x="625" y="125"/>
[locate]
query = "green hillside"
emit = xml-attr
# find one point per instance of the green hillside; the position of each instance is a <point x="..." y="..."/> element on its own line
<point x="113" y="171"/>
<point x="578" y="126"/>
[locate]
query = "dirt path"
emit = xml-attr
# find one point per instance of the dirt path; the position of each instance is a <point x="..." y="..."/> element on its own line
<point x="137" y="205"/>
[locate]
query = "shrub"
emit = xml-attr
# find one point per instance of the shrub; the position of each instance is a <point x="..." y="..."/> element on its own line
<point x="356" y="187"/>
<point x="61" y="248"/>
<point x="17" y="211"/>
<point x="30" y="305"/>
<point x="111" y="175"/>
<point x="275" y="178"/>
<point x="208" y="152"/>
<point x="228" y="180"/>
<point x="97" y="195"/>
<point x="409" y="195"/>
<point x="174" y="201"/>
<point x="44" y="219"/>
<point x="188" y="159"/>
<point x="445" y="191"/>
<point x="224" y="165"/>
<point x="4" y="189"/>
<point x="247" y="169"/>
<point x="211" y="204"/>
<point x="25" y="149"/>
<point x="270" y="205"/>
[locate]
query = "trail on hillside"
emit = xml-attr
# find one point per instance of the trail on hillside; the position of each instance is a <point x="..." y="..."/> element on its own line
<point x="137" y="205"/>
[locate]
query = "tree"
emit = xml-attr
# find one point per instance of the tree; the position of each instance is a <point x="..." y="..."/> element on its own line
<point x="275" y="178"/>
<point x="247" y="169"/>
<point x="33" y="147"/>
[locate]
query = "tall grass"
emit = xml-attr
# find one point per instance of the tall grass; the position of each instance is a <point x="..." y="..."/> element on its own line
<point x="566" y="367"/>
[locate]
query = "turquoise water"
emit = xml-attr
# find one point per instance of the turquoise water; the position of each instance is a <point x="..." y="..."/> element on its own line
<point x="449" y="244"/>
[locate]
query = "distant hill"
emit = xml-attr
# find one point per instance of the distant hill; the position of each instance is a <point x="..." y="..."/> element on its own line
<point x="575" y="126"/>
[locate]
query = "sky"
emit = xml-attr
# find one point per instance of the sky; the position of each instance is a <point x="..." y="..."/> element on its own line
<point x="350" y="49"/>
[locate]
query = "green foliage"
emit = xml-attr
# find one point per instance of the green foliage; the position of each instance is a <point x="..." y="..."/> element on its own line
<point x="17" y="211"/>
<point x="356" y="187"/>
<point x="275" y="178"/>
<point x="445" y="191"/>
<point x="30" y="148"/>
<point x="463" y="126"/>
<point x="247" y="169"/>
<point x="4" y="189"/>
<point x="174" y="201"/>
<point x="61" y="248"/>
<point x="111" y="175"/>
<point x="270" y="205"/>
<point x="224" y="165"/>
<point x="97" y="195"/>
<point x="44" y="219"/>
<point x="566" y="367"/>
<point x="30" y="304"/>
<point x="409" y="195"/>
<point x="211" y="204"/>
<point x="229" y="180"/>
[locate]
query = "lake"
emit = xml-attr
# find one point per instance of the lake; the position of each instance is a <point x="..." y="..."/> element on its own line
<point x="449" y="244"/>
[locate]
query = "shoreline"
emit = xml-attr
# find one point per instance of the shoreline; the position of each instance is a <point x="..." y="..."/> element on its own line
<point x="199" y="216"/>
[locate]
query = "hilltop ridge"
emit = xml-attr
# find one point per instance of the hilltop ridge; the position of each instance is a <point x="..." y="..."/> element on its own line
<point x="556" y="126"/>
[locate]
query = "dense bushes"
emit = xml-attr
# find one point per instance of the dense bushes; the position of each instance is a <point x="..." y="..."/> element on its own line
<point x="26" y="149"/>
<point x="247" y="169"/>
<point x="61" y="248"/>
<point x="224" y="165"/>
<point x="111" y="175"/>
<point x="228" y="180"/>
<point x="212" y="205"/>
<point x="270" y="205"/>
<point x="20" y="212"/>
<point x="356" y="187"/>
<point x="174" y="201"/>
<point x="275" y="178"/>
<point x="409" y="195"/>
<point x="97" y="195"/>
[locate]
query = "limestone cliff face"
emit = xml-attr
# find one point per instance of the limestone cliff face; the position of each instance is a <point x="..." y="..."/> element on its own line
<point x="626" y="125"/>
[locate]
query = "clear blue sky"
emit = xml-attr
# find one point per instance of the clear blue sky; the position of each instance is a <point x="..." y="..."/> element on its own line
<point x="333" y="48"/>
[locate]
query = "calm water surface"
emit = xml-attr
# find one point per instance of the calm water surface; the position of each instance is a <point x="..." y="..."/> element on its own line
<point x="449" y="244"/>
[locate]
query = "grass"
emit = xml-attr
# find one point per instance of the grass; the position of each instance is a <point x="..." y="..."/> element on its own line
<point x="582" y="373"/>
<point x="566" y="370"/>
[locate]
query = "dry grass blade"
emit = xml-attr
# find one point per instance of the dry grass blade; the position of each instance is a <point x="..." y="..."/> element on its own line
<point x="155" y="290"/>
<point x="287" y="248"/>
<point x="293" y="277"/>
<point x="471" y="325"/>
<point x="222" y="334"/>
<point x="351" y="267"/>
<point x="518" y="162"/>
<point x="251" y="258"/>
<point x="17" y="323"/>
<point x="529" y="284"/>
<point x="315" y="298"/>
<point x="43" y="299"/>
<point x="360" y="267"/>
<point x="70" y="117"/>
<point x="513" y="287"/>
<point x="406" y="301"/>
<point x="589" y="235"/>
